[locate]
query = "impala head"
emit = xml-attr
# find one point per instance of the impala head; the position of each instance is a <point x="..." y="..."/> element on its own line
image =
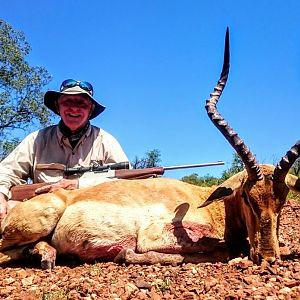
<point x="262" y="189"/>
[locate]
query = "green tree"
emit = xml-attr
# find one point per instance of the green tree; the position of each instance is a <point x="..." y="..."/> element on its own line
<point x="21" y="95"/>
<point x="206" y="180"/>
<point x="152" y="159"/>
<point x="237" y="165"/>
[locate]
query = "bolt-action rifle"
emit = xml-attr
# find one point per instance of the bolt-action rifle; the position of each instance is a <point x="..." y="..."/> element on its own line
<point x="118" y="170"/>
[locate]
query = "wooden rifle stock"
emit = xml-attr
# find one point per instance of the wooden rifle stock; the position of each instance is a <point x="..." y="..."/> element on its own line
<point x="24" y="192"/>
<point x="139" y="173"/>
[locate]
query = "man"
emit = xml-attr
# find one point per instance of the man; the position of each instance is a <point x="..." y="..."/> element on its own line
<point x="74" y="142"/>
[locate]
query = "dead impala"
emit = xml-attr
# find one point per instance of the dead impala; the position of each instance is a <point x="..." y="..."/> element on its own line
<point x="159" y="220"/>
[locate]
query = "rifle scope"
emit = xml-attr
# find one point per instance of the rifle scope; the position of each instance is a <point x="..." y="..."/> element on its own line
<point x="104" y="168"/>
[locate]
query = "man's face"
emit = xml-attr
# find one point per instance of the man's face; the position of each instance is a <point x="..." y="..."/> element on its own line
<point x="74" y="110"/>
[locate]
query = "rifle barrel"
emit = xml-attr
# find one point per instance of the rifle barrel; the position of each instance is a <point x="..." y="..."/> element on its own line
<point x="217" y="163"/>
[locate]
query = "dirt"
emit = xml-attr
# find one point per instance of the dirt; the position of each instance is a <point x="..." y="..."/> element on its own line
<point x="237" y="279"/>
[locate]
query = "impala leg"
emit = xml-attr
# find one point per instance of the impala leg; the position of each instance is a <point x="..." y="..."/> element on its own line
<point x="30" y="221"/>
<point x="12" y="255"/>
<point x="42" y="250"/>
<point x="221" y="254"/>
<point x="46" y="253"/>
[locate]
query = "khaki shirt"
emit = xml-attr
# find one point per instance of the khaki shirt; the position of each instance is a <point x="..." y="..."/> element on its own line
<point x="50" y="146"/>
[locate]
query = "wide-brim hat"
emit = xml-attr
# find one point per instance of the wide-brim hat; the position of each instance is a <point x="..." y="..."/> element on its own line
<point x="51" y="97"/>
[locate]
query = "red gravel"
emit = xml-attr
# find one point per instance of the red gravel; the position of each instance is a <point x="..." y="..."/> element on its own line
<point x="238" y="279"/>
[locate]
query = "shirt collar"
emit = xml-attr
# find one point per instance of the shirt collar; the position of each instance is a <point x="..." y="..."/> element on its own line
<point x="62" y="139"/>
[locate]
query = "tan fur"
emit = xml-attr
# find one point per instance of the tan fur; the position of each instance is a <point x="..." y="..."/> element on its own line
<point x="150" y="216"/>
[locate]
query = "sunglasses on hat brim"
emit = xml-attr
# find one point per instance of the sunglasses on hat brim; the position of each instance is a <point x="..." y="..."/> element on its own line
<point x="69" y="83"/>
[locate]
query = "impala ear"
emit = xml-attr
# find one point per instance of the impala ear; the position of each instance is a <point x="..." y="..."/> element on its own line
<point x="227" y="188"/>
<point x="217" y="195"/>
<point x="293" y="182"/>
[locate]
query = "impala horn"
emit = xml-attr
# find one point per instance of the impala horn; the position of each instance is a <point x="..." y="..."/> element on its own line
<point x="286" y="162"/>
<point x="252" y="167"/>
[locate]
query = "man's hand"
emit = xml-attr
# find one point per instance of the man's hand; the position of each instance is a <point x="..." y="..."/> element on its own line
<point x="3" y="206"/>
<point x="67" y="184"/>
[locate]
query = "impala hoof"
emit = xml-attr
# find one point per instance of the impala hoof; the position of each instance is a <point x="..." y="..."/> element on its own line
<point x="47" y="254"/>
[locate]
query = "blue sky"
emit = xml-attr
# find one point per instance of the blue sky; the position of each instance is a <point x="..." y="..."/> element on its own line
<point x="154" y="63"/>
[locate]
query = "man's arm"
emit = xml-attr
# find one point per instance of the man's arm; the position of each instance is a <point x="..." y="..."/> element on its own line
<point x="113" y="152"/>
<point x="15" y="168"/>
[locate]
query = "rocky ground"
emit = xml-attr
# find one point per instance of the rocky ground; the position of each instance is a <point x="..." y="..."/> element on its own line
<point x="238" y="279"/>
